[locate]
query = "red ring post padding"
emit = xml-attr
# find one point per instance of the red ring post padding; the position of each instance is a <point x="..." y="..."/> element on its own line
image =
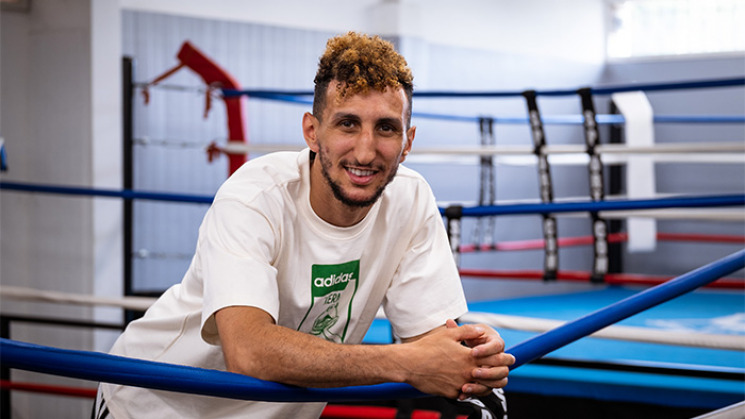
<point x="214" y="75"/>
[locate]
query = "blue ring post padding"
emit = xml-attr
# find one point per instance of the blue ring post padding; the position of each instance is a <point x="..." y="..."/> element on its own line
<point x="119" y="370"/>
<point x="542" y="344"/>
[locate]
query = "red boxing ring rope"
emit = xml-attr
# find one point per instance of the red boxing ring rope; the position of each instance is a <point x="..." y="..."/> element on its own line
<point x="331" y="411"/>
<point x="88" y="393"/>
<point x="538" y="244"/>
<point x="608" y="279"/>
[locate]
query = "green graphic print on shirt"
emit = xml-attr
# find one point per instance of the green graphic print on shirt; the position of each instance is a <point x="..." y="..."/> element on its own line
<point x="332" y="291"/>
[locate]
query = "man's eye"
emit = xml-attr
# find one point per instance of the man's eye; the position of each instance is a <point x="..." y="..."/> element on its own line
<point x="387" y="129"/>
<point x="346" y="124"/>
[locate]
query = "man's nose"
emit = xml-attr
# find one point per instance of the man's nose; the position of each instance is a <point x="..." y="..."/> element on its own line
<point x="364" y="150"/>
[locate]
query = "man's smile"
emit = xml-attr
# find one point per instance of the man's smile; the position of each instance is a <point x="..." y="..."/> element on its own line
<point x="360" y="176"/>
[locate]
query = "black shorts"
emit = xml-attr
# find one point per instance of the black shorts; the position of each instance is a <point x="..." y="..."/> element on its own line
<point x="100" y="410"/>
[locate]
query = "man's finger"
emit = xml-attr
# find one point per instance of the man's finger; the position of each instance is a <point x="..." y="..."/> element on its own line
<point x="488" y="348"/>
<point x="490" y="376"/>
<point x="469" y="332"/>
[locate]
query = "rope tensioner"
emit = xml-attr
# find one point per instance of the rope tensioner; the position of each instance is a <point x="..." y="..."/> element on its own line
<point x="484" y="229"/>
<point x="549" y="225"/>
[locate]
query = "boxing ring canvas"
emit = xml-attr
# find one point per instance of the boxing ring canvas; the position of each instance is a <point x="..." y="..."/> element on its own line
<point x="624" y="371"/>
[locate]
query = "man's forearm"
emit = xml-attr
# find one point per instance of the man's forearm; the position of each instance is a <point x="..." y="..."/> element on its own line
<point x="253" y="345"/>
<point x="287" y="356"/>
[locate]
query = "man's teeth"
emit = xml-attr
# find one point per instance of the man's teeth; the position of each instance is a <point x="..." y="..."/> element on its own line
<point x="358" y="172"/>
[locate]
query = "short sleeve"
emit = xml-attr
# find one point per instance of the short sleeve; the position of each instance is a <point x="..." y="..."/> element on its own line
<point x="236" y="247"/>
<point x="426" y="289"/>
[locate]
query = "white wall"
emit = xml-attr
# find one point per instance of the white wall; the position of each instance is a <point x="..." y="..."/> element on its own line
<point x="570" y="29"/>
<point x="60" y="119"/>
<point x="106" y="159"/>
<point x="46" y="124"/>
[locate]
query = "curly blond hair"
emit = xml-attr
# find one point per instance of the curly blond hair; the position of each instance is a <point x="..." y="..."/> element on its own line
<point x="358" y="63"/>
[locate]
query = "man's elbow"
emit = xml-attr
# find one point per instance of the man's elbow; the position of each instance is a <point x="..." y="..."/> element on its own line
<point x="250" y="365"/>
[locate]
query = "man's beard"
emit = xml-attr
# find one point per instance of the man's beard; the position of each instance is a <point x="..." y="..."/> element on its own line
<point x="339" y="193"/>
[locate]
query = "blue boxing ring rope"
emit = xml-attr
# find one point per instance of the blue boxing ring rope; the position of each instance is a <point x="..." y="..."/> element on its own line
<point x="474" y="211"/>
<point x="607" y="90"/>
<point x="304" y="97"/>
<point x="120" y="370"/>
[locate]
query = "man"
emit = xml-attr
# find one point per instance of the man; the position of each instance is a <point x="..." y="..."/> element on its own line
<point x="298" y="252"/>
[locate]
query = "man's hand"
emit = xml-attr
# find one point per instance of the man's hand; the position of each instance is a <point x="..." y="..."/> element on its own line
<point x="437" y="362"/>
<point x="487" y="350"/>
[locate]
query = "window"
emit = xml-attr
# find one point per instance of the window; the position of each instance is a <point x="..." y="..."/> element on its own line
<point x="644" y="28"/>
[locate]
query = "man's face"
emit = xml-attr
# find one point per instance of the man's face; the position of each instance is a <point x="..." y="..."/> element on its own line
<point x="359" y="141"/>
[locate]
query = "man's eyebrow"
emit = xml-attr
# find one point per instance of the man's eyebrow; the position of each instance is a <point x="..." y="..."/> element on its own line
<point x="343" y="115"/>
<point x="390" y="121"/>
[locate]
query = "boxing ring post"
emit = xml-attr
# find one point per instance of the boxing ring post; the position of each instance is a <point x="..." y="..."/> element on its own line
<point x="128" y="91"/>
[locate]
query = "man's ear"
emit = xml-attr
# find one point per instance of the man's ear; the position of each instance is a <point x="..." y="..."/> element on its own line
<point x="310" y="127"/>
<point x="410" y="133"/>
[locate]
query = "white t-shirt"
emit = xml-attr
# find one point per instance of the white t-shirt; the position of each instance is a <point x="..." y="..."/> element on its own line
<point x="261" y="245"/>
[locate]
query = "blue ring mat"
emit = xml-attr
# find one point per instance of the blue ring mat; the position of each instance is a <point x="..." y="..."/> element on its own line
<point x="709" y="311"/>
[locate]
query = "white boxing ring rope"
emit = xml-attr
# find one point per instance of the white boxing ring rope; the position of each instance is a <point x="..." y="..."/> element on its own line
<point x="709" y="152"/>
<point x="571" y="154"/>
<point x="626" y="333"/>
<point x="235" y="147"/>
<point x="498" y="321"/>
<point x="30" y="294"/>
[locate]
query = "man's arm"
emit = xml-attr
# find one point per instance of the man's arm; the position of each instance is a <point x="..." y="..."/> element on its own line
<point x="435" y="363"/>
